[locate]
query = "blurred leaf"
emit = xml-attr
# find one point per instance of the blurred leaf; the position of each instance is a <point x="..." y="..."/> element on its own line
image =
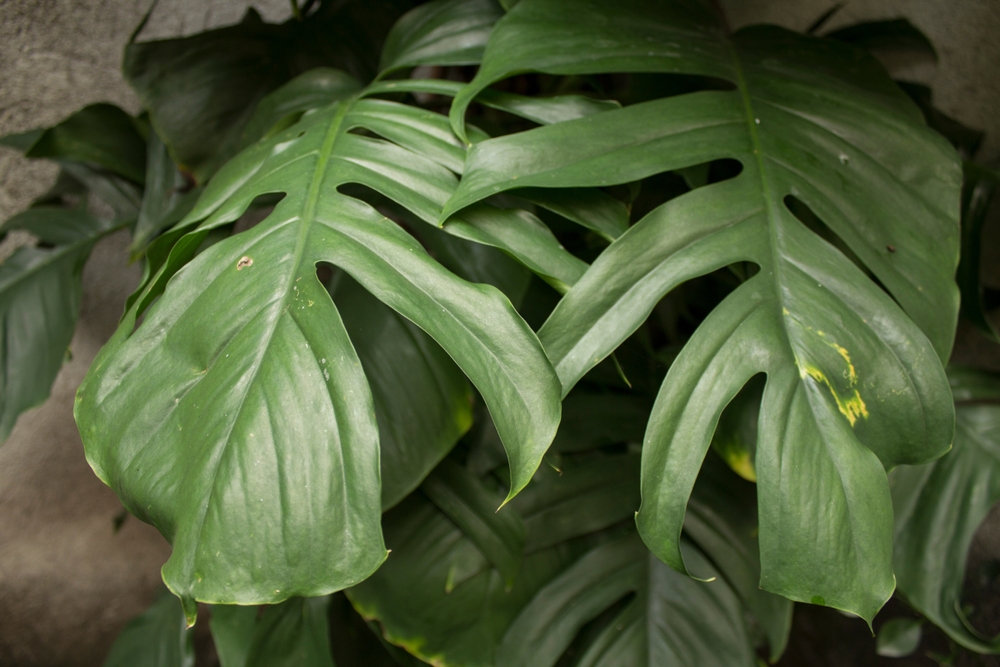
<point x="600" y="594"/>
<point x="280" y="108"/>
<point x="40" y="292"/>
<point x="722" y="520"/>
<point x="294" y="633"/>
<point x="157" y="638"/>
<point x="580" y="498"/>
<point x="671" y="620"/>
<point x="939" y="506"/>
<point x="966" y="139"/>
<point x="167" y="197"/>
<point x="437" y="596"/>
<point x="898" y="637"/>
<point x="498" y="533"/>
<point x="201" y="91"/>
<point x="233" y="628"/>
<point x="100" y="135"/>
<point x="443" y="32"/>
<point x="591" y="420"/>
<point x="978" y="193"/>
<point x="891" y="35"/>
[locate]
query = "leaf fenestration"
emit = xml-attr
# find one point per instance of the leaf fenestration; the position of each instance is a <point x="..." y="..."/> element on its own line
<point x="854" y="381"/>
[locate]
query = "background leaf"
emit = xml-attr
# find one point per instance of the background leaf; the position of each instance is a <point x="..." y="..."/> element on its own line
<point x="423" y="403"/>
<point x="201" y="90"/>
<point x="443" y="32"/>
<point x="939" y="506"/>
<point x="157" y="638"/>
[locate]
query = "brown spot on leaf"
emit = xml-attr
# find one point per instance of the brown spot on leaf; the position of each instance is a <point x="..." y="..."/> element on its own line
<point x="891" y="248"/>
<point x="244" y="262"/>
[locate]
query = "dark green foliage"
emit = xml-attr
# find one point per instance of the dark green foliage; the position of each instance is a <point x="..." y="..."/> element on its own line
<point x="473" y="381"/>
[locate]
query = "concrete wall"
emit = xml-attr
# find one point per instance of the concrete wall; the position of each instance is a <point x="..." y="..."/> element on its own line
<point x="68" y="582"/>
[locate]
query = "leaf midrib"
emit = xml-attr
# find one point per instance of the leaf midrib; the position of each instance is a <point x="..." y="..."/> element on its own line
<point x="305" y="225"/>
<point x="758" y="153"/>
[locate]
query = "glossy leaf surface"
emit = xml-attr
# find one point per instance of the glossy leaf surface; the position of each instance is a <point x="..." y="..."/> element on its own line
<point x="854" y="382"/>
<point x="237" y="417"/>
<point x="940" y="505"/>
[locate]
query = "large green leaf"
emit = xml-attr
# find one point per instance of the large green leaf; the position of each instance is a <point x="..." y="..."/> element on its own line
<point x="237" y="418"/>
<point x="940" y="505"/>
<point x="854" y="381"/>
<point x="157" y="638"/>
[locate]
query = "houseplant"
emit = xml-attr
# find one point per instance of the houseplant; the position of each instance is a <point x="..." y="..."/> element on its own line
<point x="695" y="211"/>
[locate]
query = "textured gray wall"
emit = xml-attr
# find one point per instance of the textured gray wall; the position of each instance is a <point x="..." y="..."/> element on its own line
<point x="68" y="582"/>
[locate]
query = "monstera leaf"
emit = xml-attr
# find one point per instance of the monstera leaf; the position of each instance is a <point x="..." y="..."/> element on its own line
<point x="442" y="594"/>
<point x="854" y="379"/>
<point x="236" y="416"/>
<point x="940" y="505"/>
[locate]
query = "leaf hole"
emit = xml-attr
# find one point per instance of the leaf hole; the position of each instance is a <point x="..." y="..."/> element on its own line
<point x="259" y="208"/>
<point x="658" y="189"/>
<point x="325" y="273"/>
<point x="681" y="311"/>
<point x="636" y="87"/>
